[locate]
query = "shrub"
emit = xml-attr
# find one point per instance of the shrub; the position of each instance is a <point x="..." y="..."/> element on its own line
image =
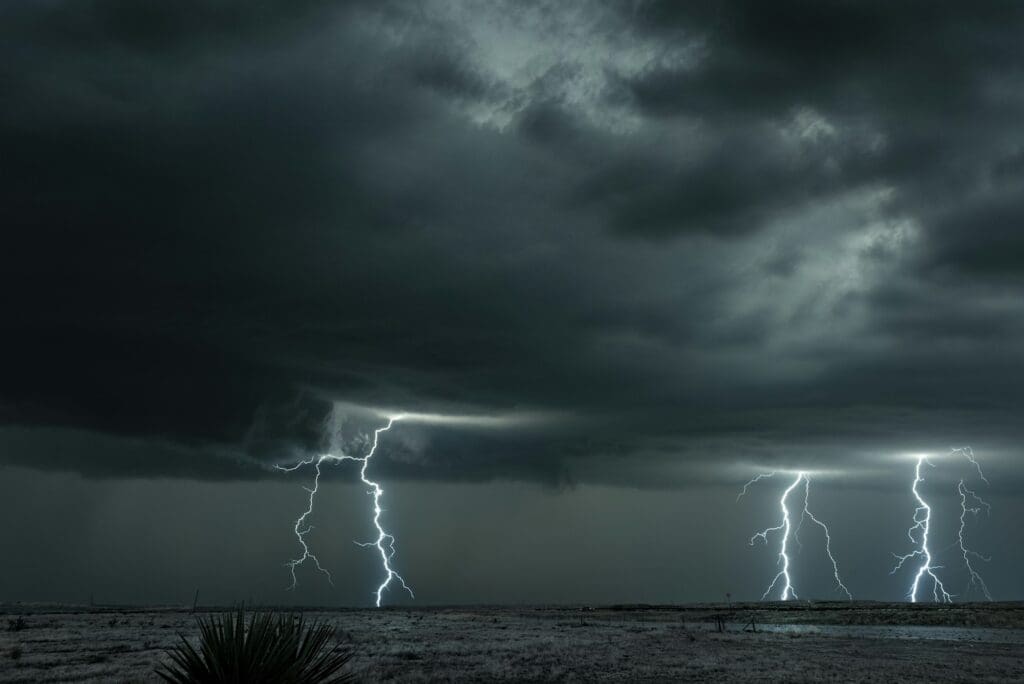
<point x="16" y="625"/>
<point x="15" y="653"/>
<point x="267" y="648"/>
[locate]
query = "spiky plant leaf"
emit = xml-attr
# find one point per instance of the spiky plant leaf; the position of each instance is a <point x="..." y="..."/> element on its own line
<point x="268" y="648"/>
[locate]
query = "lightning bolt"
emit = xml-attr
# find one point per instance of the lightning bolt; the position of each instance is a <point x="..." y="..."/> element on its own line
<point x="783" y="574"/>
<point x="968" y="453"/>
<point x="301" y="527"/>
<point x="754" y="480"/>
<point x="828" y="537"/>
<point x="786" y="527"/>
<point x="975" y="579"/>
<point x="385" y="543"/>
<point x="922" y="522"/>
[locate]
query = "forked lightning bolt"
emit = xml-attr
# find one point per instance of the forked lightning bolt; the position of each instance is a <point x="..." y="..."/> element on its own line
<point x="828" y="537"/>
<point x="977" y="503"/>
<point x="971" y="503"/>
<point x="786" y="527"/>
<point x="301" y="528"/>
<point x="385" y="543"/>
<point x="753" y="481"/>
<point x="975" y="580"/>
<point x="922" y="523"/>
<point x="968" y="453"/>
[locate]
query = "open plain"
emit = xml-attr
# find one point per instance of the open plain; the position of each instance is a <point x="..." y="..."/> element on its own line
<point x="799" y="641"/>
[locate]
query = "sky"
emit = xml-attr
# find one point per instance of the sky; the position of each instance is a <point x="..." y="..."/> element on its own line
<point x="643" y="250"/>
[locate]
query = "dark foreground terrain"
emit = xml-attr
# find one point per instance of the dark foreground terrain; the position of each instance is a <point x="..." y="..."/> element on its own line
<point x="793" y="642"/>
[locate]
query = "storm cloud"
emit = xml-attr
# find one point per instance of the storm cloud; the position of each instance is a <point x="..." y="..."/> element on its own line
<point x="696" y="239"/>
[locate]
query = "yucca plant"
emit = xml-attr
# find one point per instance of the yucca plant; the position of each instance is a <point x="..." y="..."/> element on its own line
<point x="269" y="647"/>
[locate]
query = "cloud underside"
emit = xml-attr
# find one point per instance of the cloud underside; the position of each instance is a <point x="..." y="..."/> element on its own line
<point x="694" y="239"/>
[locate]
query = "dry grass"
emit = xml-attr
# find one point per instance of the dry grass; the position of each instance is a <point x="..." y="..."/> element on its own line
<point x="627" y="643"/>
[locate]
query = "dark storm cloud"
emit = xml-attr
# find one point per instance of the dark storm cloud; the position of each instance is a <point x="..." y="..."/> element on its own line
<point x="759" y="58"/>
<point x="699" y="236"/>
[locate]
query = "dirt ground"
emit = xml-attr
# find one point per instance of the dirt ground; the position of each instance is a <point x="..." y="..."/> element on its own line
<point x="862" y="642"/>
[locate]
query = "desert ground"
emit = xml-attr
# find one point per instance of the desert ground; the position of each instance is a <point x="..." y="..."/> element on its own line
<point x="864" y="642"/>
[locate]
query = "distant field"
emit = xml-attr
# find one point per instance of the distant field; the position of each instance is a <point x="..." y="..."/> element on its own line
<point x="794" y="642"/>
